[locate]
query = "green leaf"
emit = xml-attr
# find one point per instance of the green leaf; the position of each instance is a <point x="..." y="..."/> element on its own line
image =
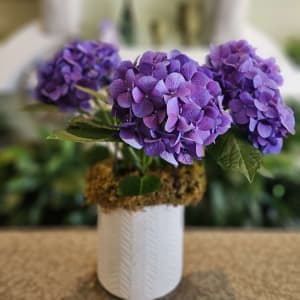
<point x="85" y="130"/>
<point x="131" y="157"/>
<point x="83" y="135"/>
<point x="234" y="154"/>
<point x="83" y="122"/>
<point x="103" y="117"/>
<point x="135" y="185"/>
<point x="135" y="158"/>
<point x="129" y="186"/>
<point x="149" y="184"/>
<point x="21" y="184"/>
<point x="40" y="107"/>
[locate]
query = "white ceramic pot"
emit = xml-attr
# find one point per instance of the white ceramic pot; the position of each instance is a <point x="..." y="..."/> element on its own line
<point x="140" y="254"/>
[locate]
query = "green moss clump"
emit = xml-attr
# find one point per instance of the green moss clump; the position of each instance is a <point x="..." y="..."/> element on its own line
<point x="183" y="186"/>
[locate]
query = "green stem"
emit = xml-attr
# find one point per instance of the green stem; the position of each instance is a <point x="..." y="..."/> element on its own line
<point x="146" y="162"/>
<point x="83" y="112"/>
<point x="136" y="159"/>
<point x="98" y="102"/>
<point x="115" y="165"/>
<point x="97" y="95"/>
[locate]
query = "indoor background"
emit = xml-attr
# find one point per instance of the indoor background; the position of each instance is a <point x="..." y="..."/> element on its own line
<point x="41" y="182"/>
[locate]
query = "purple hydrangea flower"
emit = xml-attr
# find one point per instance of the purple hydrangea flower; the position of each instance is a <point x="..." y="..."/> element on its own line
<point x="168" y="106"/>
<point x="251" y="91"/>
<point x="88" y="64"/>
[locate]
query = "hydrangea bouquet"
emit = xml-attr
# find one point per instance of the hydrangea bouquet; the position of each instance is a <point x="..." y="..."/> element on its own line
<point x="163" y="112"/>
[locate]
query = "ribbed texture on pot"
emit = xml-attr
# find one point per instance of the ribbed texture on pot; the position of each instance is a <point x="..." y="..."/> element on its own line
<point x="140" y="253"/>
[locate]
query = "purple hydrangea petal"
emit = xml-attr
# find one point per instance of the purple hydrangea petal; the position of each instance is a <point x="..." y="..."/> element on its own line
<point x="161" y="114"/>
<point x="236" y="105"/>
<point x="146" y="83"/>
<point x="287" y="118"/>
<point x="146" y="68"/>
<point x="210" y="139"/>
<point x="185" y="158"/>
<point x="264" y="130"/>
<point x="117" y="86"/>
<point x="183" y="125"/>
<point x="169" y="157"/>
<point x="260" y="106"/>
<point x="173" y="81"/>
<point x="154" y="147"/>
<point x="213" y="88"/>
<point x="246" y="98"/>
<point x="272" y="113"/>
<point x="241" y="117"/>
<point x="142" y="109"/>
<point x="173" y="106"/>
<point x="206" y="124"/>
<point x="199" y="150"/>
<point x="246" y="65"/>
<point x="124" y="100"/>
<point x="130" y="77"/>
<point x="200" y="79"/>
<point x="189" y="69"/>
<point x="151" y="121"/>
<point x="160" y="89"/>
<point x="192" y="112"/>
<point x="201" y="96"/>
<point x="252" y="124"/>
<point x="174" y="66"/>
<point x="137" y="95"/>
<point x="147" y="57"/>
<point x="129" y="137"/>
<point x="123" y="67"/>
<point x="171" y="122"/>
<point x="212" y="112"/>
<point x="160" y="71"/>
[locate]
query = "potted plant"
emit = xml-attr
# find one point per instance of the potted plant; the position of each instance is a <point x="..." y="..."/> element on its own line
<point x="162" y="113"/>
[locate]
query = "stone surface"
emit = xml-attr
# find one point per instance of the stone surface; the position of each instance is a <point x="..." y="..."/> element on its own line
<point x="61" y="264"/>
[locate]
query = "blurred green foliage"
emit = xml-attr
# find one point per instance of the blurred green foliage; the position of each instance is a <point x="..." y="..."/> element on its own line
<point x="293" y="50"/>
<point x="42" y="184"/>
<point x="5" y="130"/>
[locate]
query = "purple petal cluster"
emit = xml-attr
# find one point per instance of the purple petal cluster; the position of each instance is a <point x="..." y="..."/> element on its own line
<point x="168" y="106"/>
<point x="88" y="64"/>
<point x="251" y="91"/>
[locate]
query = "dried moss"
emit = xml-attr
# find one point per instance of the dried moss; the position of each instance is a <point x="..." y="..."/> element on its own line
<point x="183" y="186"/>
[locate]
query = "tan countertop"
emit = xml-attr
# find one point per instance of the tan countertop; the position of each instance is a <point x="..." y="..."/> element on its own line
<point x="61" y="264"/>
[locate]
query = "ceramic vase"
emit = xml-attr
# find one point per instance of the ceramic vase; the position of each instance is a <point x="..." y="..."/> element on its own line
<point x="140" y="254"/>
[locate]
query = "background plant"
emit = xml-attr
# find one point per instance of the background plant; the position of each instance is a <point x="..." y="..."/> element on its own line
<point x="42" y="183"/>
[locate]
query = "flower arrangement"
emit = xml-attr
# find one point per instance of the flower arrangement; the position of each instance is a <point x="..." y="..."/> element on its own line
<point x="166" y="109"/>
<point x="163" y="113"/>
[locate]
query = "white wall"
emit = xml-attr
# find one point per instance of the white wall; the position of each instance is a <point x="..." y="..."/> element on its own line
<point x="279" y="18"/>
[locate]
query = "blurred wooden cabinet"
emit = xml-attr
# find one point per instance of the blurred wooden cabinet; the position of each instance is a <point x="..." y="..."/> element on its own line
<point x="15" y="13"/>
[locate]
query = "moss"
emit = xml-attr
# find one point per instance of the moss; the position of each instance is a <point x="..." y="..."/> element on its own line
<point x="183" y="186"/>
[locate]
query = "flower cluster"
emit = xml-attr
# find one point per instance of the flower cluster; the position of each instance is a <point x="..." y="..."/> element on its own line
<point x="251" y="91"/>
<point x="168" y="106"/>
<point x="88" y="64"/>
